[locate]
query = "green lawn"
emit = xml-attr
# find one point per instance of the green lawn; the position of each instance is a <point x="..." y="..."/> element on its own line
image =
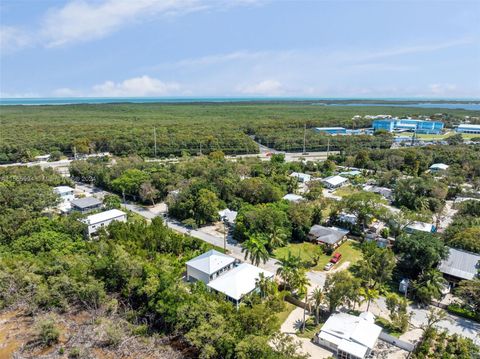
<point x="345" y="191"/>
<point x="310" y="329"/>
<point x="466" y="136"/>
<point x="283" y="315"/>
<point x="350" y="252"/>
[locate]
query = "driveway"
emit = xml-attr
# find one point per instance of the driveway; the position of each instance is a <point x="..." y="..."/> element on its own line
<point x="292" y="324"/>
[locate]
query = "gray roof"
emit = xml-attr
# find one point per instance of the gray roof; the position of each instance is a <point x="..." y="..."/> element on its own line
<point x="329" y="235"/>
<point x="460" y="264"/>
<point x="210" y="262"/>
<point x="86" y="202"/>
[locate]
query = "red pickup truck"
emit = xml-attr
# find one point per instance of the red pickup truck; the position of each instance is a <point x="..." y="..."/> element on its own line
<point x="335" y="258"/>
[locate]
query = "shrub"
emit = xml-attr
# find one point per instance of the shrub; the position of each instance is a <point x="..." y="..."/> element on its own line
<point x="47" y="332"/>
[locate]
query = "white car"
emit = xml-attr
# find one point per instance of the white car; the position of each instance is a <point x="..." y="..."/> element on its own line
<point x="328" y="266"/>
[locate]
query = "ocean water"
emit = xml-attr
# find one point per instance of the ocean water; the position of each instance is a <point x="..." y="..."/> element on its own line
<point x="466" y="104"/>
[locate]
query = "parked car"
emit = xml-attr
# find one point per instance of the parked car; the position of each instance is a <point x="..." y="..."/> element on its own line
<point x="328" y="266"/>
<point x="335" y="258"/>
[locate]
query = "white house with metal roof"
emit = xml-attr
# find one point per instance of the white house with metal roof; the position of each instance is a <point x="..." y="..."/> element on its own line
<point x="438" y="167"/>
<point x="228" y="216"/>
<point x="460" y="265"/>
<point x="208" y="266"/>
<point x="239" y="281"/>
<point x="291" y="197"/>
<point x="100" y="220"/>
<point x="334" y="181"/>
<point x="349" y="336"/>
<point x="420" y="227"/>
<point x="301" y="177"/>
<point x="66" y="193"/>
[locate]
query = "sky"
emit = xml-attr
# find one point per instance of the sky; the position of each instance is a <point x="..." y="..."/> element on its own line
<point x="240" y="48"/>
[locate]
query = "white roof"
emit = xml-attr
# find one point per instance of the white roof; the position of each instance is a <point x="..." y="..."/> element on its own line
<point x="303" y="176"/>
<point x="439" y="166"/>
<point x="104" y="216"/>
<point x="210" y="262"/>
<point x="351" y="333"/>
<point x="421" y="226"/>
<point x="229" y="215"/>
<point x="63" y="189"/>
<point x="469" y="126"/>
<point x="293" y="197"/>
<point x="329" y="128"/>
<point x="335" y="180"/>
<point x="239" y="281"/>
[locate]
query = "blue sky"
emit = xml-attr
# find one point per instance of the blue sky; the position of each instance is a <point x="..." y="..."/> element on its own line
<point x="244" y="48"/>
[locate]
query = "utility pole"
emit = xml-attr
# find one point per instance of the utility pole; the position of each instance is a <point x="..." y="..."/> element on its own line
<point x="155" y="141"/>
<point x="224" y="234"/>
<point x="304" y="138"/>
<point x="304" y="310"/>
<point x="328" y="146"/>
<point x="74" y="152"/>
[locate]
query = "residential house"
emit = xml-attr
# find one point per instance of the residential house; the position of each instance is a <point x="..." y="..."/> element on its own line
<point x="301" y="177"/>
<point x="208" y="266"/>
<point x="238" y="282"/>
<point x="228" y="216"/>
<point x="293" y="197"/>
<point x="460" y="265"/>
<point x="383" y="191"/>
<point x="100" y="220"/>
<point x="420" y="227"/>
<point x="42" y="158"/>
<point x="352" y="173"/>
<point x="349" y="336"/>
<point x="438" y="168"/>
<point x="334" y="181"/>
<point x="86" y="204"/>
<point x="330" y="236"/>
<point x="66" y="193"/>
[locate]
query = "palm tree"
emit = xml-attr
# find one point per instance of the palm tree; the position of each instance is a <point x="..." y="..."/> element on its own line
<point x="429" y="285"/>
<point x="369" y="294"/>
<point x="276" y="238"/>
<point x="266" y="285"/>
<point x="316" y="298"/>
<point x="255" y="250"/>
<point x="288" y="266"/>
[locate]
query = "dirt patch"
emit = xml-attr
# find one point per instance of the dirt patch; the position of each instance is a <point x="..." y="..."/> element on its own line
<point x="83" y="334"/>
<point x="15" y="330"/>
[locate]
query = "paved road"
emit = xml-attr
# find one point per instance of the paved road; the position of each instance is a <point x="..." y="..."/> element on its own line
<point x="234" y="249"/>
<point x="452" y="324"/>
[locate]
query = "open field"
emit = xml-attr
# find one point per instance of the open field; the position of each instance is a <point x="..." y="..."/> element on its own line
<point x="128" y="129"/>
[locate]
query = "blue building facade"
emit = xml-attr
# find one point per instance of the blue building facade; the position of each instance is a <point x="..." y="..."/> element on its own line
<point x="419" y="126"/>
<point x="332" y="130"/>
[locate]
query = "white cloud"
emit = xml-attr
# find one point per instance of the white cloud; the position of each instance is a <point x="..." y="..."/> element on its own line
<point x="442" y="89"/>
<point x="134" y="87"/>
<point x="82" y="20"/>
<point x="264" y="88"/>
<point x="12" y="39"/>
